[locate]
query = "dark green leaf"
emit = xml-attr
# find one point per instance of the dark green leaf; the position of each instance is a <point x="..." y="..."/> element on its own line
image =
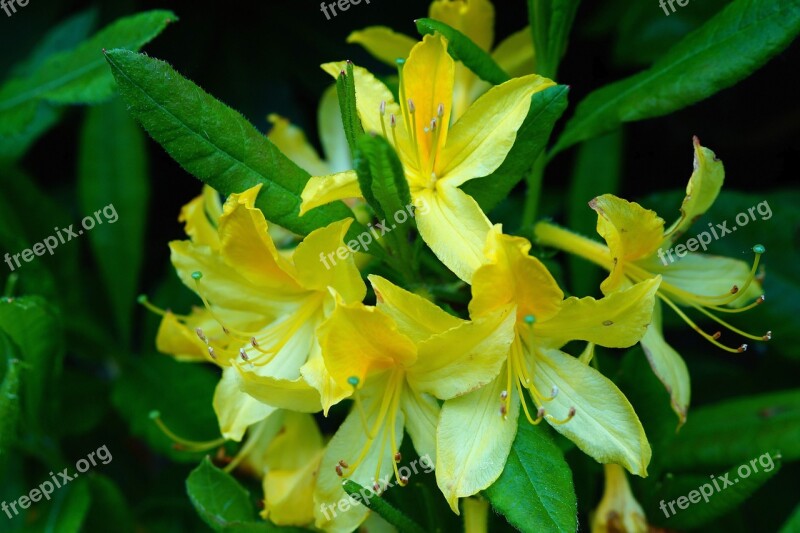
<point x="598" y="169"/>
<point x="793" y="524"/>
<point x="114" y="189"/>
<point x="746" y="478"/>
<point x="737" y="430"/>
<point x="535" y="491"/>
<point x="69" y="508"/>
<point x="182" y="393"/>
<point x="725" y="50"/>
<point x="9" y="394"/>
<point x="346" y="90"/>
<point x="108" y="507"/>
<point x="36" y="329"/>
<point x="76" y="76"/>
<point x="461" y="48"/>
<point x="218" y="498"/>
<point x="380" y="506"/>
<point x="546" y="108"/>
<point x="551" y="22"/>
<point x="215" y="143"/>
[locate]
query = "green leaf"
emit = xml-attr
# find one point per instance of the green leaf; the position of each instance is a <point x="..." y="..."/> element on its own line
<point x="113" y="178"/>
<point x="9" y="395"/>
<point x="792" y="525"/>
<point x="215" y="143"/>
<point x="218" y="498"/>
<point x="535" y="491"/>
<point x="69" y="508"/>
<point x="108" y="507"/>
<point x="461" y="48"/>
<point x="261" y="527"/>
<point x="380" y="506"/>
<point x="182" y="393"/>
<point x="33" y="325"/>
<point x="346" y="90"/>
<point x="746" y="478"/>
<point x="546" y="108"/>
<point x="737" y="430"/>
<point x="76" y="76"/>
<point x="551" y="22"/>
<point x="725" y="50"/>
<point x="598" y="170"/>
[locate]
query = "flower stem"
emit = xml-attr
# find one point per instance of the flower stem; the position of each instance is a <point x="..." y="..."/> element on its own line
<point x="534" y="181"/>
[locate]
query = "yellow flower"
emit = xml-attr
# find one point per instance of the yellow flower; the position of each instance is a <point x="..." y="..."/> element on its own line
<point x="436" y="157"/>
<point x="473" y="18"/>
<point x="399" y="357"/>
<point x="639" y="248"/>
<point x="476" y="430"/>
<point x="262" y="308"/>
<point x="618" y="512"/>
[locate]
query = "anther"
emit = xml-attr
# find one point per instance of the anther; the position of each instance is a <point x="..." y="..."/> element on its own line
<point x="554" y="391"/>
<point x="243" y="354"/>
<point x="440" y="110"/>
<point x="376" y="488"/>
<point x="339" y="471"/>
<point x="540" y="413"/>
<point x="767" y="336"/>
<point x="398" y="457"/>
<point x="383" y="107"/>
<point x="403" y="481"/>
<point x="211" y="353"/>
<point x="226" y="331"/>
<point x="504" y="395"/>
<point x="392" y="121"/>
<point x="343" y="464"/>
<point x="433" y="124"/>
<point x="411" y="107"/>
<point x="503" y="410"/>
<point x="716" y="335"/>
<point x="254" y="342"/>
<point x="734" y="289"/>
<point x="201" y="335"/>
<point x="760" y="299"/>
<point x="742" y="348"/>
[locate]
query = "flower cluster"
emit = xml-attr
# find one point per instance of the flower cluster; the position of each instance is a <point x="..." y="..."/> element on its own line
<point x="294" y="337"/>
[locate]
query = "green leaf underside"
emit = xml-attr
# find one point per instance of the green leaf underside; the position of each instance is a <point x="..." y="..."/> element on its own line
<point x="725" y="50"/>
<point x="215" y="143"/>
<point x="535" y="491"/>
<point x="218" y="497"/>
<point x="463" y="49"/>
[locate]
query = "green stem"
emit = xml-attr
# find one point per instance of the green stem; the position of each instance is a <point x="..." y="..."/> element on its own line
<point x="534" y="181"/>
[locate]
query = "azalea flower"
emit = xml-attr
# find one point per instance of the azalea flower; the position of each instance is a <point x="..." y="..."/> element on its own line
<point x="473" y="18"/>
<point x="476" y="430"/>
<point x="618" y="512"/>
<point x="397" y="358"/>
<point x="262" y="308"/>
<point x="436" y="157"/>
<point x="636" y="240"/>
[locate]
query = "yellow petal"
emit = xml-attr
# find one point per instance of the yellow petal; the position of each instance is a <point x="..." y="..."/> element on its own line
<point x="617" y="321"/>
<point x="705" y="275"/>
<point x="333" y="509"/>
<point x="415" y="316"/>
<point x="383" y="43"/>
<point x="479" y="142"/>
<point x="293" y="143"/>
<point x="422" y="415"/>
<point x="513" y="276"/>
<point x="357" y="340"/>
<point x="247" y="246"/>
<point x="605" y="425"/>
<point x="319" y="267"/>
<point x="473" y="441"/>
<point x="515" y="53"/>
<point x="702" y="190"/>
<point x="201" y="216"/>
<point x="631" y="231"/>
<point x="317" y="375"/>
<point x="454" y="227"/>
<point x="236" y="411"/>
<point x="294" y="394"/>
<point x="181" y="341"/>
<point x="618" y="510"/>
<point x="428" y="77"/>
<point x="668" y="366"/>
<point x="331" y="132"/>
<point x="321" y="190"/>
<point x="474" y="18"/>
<point x="464" y="358"/>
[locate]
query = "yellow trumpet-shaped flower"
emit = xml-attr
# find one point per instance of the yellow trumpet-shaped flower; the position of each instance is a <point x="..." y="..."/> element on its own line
<point x="639" y="248"/>
<point x="262" y="308"/>
<point x="618" y="512"/>
<point x="397" y="358"/>
<point x="473" y="18"/>
<point x="437" y="158"/>
<point x="476" y="430"/>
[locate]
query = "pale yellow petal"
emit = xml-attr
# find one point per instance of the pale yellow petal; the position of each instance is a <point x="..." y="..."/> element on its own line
<point x="515" y="54"/>
<point x="473" y="18"/>
<point x="200" y="217"/>
<point x="331" y="133"/>
<point x="316" y="374"/>
<point x="454" y="227"/>
<point x="236" y="410"/>
<point x="321" y="190"/>
<point x="422" y="416"/>
<point x="473" y="441"/>
<point x="605" y="425"/>
<point x="180" y="340"/>
<point x="479" y="142"/>
<point x="294" y="394"/>
<point x="293" y="143"/>
<point x="383" y="43"/>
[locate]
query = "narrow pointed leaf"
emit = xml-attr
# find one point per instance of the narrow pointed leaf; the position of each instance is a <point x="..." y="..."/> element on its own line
<point x="551" y="22"/>
<point x="386" y="510"/>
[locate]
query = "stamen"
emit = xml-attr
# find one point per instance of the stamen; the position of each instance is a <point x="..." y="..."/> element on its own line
<point x="557" y="422"/>
<point x="710" y="338"/>
<point x="383" y="121"/>
<point x="188" y="445"/>
<point x="238" y="335"/>
<point x="211" y="353"/>
<point x="398" y="457"/>
<point x="143" y="301"/>
<point x="243" y="355"/>
<point x="201" y="335"/>
<point x="721" y="322"/>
